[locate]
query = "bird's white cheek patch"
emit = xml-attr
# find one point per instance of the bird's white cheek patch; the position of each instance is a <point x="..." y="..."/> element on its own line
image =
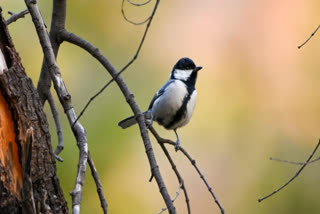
<point x="182" y="74"/>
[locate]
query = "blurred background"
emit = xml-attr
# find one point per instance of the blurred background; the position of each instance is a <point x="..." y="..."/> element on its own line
<point x="258" y="97"/>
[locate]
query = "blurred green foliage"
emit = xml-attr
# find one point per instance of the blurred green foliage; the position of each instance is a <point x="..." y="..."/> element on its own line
<point x="258" y="96"/>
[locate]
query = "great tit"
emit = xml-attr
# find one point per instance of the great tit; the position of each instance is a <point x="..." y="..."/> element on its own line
<point x="173" y="105"/>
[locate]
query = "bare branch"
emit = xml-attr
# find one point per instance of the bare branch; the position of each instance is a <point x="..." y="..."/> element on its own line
<point x="193" y="162"/>
<point x="15" y="16"/>
<point x="300" y="46"/>
<point x="294" y="163"/>
<point x="58" y="127"/>
<point x="57" y="23"/>
<point x="174" y="168"/>
<point x="173" y="199"/>
<point x="130" y="21"/>
<point x="139" y="4"/>
<point x="74" y="39"/>
<point x="291" y="179"/>
<point x="96" y="178"/>
<point x="65" y="100"/>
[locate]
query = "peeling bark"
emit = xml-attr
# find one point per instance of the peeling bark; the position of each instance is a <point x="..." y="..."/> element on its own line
<point x="28" y="180"/>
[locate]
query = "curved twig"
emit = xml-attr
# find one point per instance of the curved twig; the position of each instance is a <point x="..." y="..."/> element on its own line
<point x="292" y="178"/>
<point x="192" y="161"/>
<point x="135" y="4"/>
<point x="139" y="4"/>
<point x="305" y="42"/>
<point x="58" y="127"/>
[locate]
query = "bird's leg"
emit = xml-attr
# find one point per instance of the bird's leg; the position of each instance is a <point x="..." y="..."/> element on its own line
<point x="149" y="118"/>
<point x="177" y="146"/>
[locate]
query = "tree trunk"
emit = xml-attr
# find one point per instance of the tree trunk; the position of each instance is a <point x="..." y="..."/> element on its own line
<point x="28" y="179"/>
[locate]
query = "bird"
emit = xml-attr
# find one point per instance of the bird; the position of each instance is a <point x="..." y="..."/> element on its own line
<point x="173" y="105"/>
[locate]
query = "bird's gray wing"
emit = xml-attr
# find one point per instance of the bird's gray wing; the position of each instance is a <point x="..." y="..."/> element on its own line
<point x="132" y="120"/>
<point x="160" y="92"/>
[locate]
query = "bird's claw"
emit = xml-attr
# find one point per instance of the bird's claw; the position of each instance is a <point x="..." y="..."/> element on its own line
<point x="148" y="123"/>
<point x="149" y="119"/>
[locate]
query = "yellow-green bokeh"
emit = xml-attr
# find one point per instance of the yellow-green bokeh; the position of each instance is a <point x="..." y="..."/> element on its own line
<point x="258" y="96"/>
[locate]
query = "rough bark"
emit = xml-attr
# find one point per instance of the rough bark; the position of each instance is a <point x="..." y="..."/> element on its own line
<point x="28" y="180"/>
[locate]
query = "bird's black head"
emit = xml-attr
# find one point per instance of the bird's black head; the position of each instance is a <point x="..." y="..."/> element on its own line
<point x="185" y="70"/>
<point x="185" y="64"/>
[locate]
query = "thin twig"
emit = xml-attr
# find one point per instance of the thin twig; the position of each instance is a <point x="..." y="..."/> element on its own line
<point x="139" y="4"/>
<point x="96" y="53"/>
<point x="173" y="199"/>
<point x="174" y="167"/>
<point x="15" y="16"/>
<point x="58" y="127"/>
<point x="96" y="178"/>
<point x="292" y="178"/>
<point x="293" y="162"/>
<point x="65" y="100"/>
<point x="193" y="162"/>
<point x="130" y="21"/>
<point x="300" y="46"/>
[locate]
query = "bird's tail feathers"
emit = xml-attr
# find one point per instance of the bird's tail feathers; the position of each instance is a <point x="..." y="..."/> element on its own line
<point x="130" y="121"/>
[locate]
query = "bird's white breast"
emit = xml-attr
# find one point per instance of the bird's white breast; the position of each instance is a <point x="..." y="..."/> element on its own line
<point x="166" y="106"/>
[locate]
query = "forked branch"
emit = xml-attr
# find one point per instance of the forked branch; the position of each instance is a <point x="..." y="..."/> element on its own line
<point x="175" y="169"/>
<point x="15" y="16"/>
<point x="292" y="178"/>
<point x="293" y="162"/>
<point x="65" y="100"/>
<point x="173" y="199"/>
<point x="192" y="161"/>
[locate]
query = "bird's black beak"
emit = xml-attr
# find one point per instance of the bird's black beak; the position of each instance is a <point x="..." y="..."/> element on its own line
<point x="197" y="69"/>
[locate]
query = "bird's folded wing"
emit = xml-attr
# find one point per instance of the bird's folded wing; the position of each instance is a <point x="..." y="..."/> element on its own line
<point x="160" y="92"/>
